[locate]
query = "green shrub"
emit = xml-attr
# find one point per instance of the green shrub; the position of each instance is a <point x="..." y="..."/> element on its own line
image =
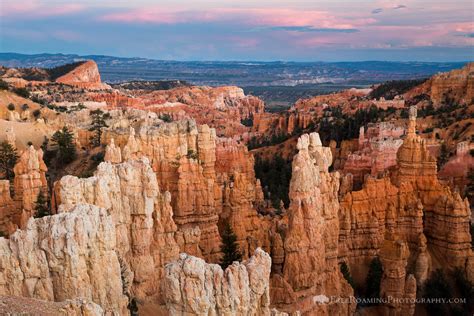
<point x="3" y="85"/>
<point x="22" y="92"/>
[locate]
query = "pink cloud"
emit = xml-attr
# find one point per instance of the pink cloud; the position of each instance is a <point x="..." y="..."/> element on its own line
<point x="34" y="8"/>
<point x="247" y="16"/>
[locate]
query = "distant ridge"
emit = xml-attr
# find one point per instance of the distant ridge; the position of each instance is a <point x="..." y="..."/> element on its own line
<point x="241" y="73"/>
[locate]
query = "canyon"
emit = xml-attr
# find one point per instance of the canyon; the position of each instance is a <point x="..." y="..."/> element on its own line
<point x="136" y="223"/>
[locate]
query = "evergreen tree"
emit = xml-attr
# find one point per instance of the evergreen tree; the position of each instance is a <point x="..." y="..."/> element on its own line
<point x="443" y="156"/>
<point x="64" y="140"/>
<point x="373" y="278"/>
<point x="346" y="273"/>
<point x="98" y="123"/>
<point x="8" y="158"/>
<point x="42" y="206"/>
<point x="229" y="247"/>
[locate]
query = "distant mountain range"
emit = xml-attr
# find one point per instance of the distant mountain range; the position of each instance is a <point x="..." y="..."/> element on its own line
<point x="244" y="74"/>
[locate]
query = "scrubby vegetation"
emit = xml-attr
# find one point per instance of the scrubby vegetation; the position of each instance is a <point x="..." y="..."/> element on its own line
<point x="338" y="126"/>
<point x="274" y="139"/>
<point x="247" y="122"/>
<point x="3" y="85"/>
<point x="390" y="89"/>
<point x="22" y="92"/>
<point x="166" y="118"/>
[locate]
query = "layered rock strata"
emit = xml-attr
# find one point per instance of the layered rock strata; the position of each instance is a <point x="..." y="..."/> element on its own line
<point x="426" y="215"/>
<point x="18" y="199"/>
<point x="193" y="287"/>
<point x="310" y="242"/>
<point x="142" y="215"/>
<point x="65" y="256"/>
<point x="395" y="286"/>
<point x="209" y="178"/>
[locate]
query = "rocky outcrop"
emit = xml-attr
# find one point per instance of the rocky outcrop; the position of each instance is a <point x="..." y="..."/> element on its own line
<point x="376" y="152"/>
<point x="142" y="216"/>
<point x="242" y="195"/>
<point x="28" y="184"/>
<point x="15" y="305"/>
<point x="7" y="209"/>
<point x="367" y="215"/>
<point x="457" y="168"/>
<point x="85" y="75"/>
<point x="209" y="179"/>
<point x="456" y="86"/>
<point x="64" y="256"/>
<point x="310" y="242"/>
<point x="431" y="219"/>
<point x="183" y="158"/>
<point x="395" y="286"/>
<point x="193" y="287"/>
<point x="287" y="123"/>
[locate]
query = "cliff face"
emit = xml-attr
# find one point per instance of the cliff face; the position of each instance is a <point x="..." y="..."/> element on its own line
<point x="193" y="287"/>
<point x="29" y="182"/>
<point x="310" y="242"/>
<point x="266" y="123"/>
<point x="242" y="195"/>
<point x="63" y="257"/>
<point x="208" y="178"/>
<point x="142" y="215"/>
<point x="222" y="108"/>
<point x="86" y="75"/>
<point x="395" y="283"/>
<point x="129" y="232"/>
<point x="183" y="158"/>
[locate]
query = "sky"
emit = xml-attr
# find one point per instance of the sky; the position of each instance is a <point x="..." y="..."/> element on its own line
<point x="259" y="30"/>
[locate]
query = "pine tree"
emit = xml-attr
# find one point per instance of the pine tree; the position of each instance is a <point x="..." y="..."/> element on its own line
<point x="229" y="247"/>
<point x="42" y="207"/>
<point x="373" y="278"/>
<point x="346" y="273"/>
<point x="8" y="159"/>
<point x="98" y="123"/>
<point x="64" y="140"/>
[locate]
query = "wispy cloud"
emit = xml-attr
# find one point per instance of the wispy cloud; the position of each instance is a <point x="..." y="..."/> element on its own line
<point x="377" y="11"/>
<point x="400" y="6"/>
<point x="246" y="16"/>
<point x="309" y="29"/>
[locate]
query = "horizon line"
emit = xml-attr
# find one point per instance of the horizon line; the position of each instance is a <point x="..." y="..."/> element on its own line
<point x="242" y="61"/>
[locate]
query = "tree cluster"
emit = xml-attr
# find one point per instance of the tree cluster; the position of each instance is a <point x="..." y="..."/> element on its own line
<point x="8" y="159"/>
<point x="63" y="144"/>
<point x="275" y="176"/>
